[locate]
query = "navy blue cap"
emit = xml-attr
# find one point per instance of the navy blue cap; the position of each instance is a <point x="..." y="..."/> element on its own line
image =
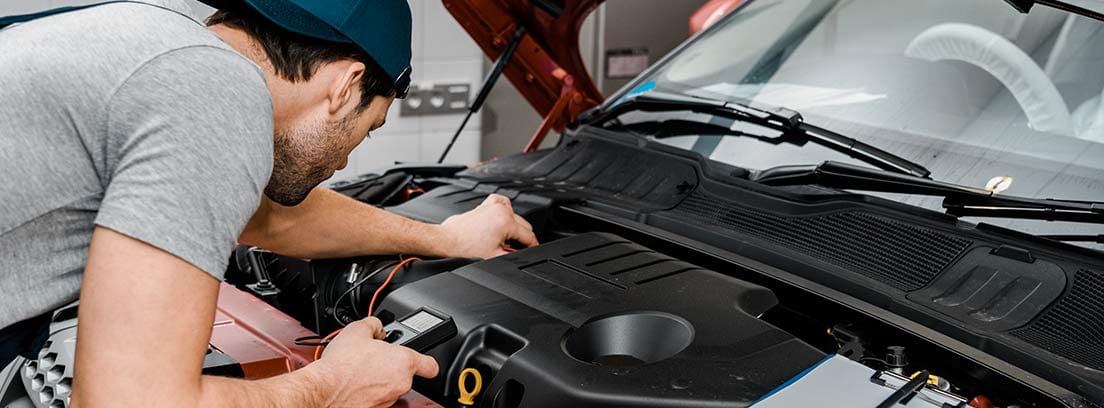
<point x="379" y="27"/>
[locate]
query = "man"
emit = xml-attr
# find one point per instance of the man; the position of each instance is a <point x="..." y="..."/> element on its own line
<point x="135" y="145"/>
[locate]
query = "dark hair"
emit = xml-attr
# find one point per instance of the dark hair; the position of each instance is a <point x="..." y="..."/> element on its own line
<point x="296" y="57"/>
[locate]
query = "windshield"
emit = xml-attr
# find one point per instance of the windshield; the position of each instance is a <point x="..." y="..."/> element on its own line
<point x="970" y="89"/>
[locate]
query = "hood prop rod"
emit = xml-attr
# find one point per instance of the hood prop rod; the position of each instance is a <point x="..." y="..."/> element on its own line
<point x="488" y="84"/>
<point x="567" y="96"/>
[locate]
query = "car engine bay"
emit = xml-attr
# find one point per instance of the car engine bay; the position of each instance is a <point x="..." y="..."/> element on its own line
<point x="668" y="278"/>
<point x="663" y="280"/>
<point x="612" y="309"/>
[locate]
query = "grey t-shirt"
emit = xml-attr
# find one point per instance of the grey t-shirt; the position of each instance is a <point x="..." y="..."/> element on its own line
<point x="128" y="116"/>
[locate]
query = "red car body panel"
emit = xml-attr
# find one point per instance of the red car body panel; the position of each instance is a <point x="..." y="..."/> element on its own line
<point x="711" y="13"/>
<point x="256" y="335"/>
<point x="546" y="69"/>
<point x="262" y="339"/>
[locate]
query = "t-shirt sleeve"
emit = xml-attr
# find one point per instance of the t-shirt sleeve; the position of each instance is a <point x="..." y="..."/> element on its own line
<point x="189" y="152"/>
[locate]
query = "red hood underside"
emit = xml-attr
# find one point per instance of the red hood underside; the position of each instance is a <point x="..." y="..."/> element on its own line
<point x="547" y="68"/>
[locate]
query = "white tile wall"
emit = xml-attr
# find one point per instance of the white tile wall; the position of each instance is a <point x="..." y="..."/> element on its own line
<point x="466" y="150"/>
<point x="444" y="38"/>
<point x="382" y="150"/>
<point x="443" y="53"/>
<point x="467" y="70"/>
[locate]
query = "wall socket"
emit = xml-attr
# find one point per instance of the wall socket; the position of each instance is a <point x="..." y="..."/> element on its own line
<point x="436" y="99"/>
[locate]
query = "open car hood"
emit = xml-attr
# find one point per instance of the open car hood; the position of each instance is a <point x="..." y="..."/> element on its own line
<point x="547" y="68"/>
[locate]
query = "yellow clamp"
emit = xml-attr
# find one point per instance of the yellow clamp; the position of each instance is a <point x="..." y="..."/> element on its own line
<point x="932" y="379"/>
<point x="467" y="397"/>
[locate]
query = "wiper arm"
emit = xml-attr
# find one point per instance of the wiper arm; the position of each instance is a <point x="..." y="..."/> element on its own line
<point x="1097" y="239"/>
<point x="678" y="127"/>
<point x="784" y="120"/>
<point x="1084" y="7"/>
<point x="958" y="200"/>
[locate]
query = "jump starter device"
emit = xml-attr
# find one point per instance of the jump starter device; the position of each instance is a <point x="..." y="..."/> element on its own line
<point x="421" y="330"/>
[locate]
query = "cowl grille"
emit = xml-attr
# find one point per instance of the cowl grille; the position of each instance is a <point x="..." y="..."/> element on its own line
<point x="900" y="255"/>
<point x="1074" y="327"/>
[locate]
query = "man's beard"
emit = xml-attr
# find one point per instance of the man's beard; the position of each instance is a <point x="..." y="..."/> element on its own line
<point x="302" y="158"/>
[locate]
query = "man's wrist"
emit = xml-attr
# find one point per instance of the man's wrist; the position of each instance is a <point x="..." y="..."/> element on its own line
<point x="304" y="387"/>
<point x="434" y="240"/>
<point x="312" y="381"/>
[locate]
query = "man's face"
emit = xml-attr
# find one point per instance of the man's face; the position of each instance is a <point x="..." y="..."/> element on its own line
<point x="309" y="151"/>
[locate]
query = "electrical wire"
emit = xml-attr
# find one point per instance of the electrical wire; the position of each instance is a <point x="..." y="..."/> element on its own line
<point x="326" y="340"/>
<point x="875" y="359"/>
<point x="306" y="341"/>
<point x="352" y="302"/>
<point x="372" y="303"/>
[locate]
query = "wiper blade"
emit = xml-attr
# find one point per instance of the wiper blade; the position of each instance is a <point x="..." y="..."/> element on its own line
<point x="958" y="200"/>
<point x="1097" y="239"/>
<point x="1089" y="8"/>
<point x="678" y="127"/>
<point x="784" y="120"/>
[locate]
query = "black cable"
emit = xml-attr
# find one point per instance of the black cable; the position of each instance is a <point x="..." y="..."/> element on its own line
<point x="882" y="362"/>
<point x="905" y="393"/>
<point x="356" y="313"/>
<point x="303" y="341"/>
<point x="356" y="285"/>
<point x="356" y="295"/>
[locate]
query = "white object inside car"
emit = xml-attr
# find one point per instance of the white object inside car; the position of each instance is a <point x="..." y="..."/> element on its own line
<point x="1037" y="96"/>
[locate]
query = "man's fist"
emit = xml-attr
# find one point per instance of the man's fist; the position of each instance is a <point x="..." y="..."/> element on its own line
<point x="483" y="231"/>
<point x="366" y="371"/>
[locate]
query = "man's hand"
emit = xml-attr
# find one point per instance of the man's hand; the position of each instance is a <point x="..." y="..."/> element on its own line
<point x="330" y="225"/>
<point x="370" y="372"/>
<point x="482" y="232"/>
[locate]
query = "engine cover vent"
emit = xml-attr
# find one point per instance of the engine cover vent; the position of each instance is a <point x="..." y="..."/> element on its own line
<point x="1073" y="328"/>
<point x="900" y="255"/>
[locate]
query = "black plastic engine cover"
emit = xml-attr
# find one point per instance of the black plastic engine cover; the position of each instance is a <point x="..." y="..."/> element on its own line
<point x="596" y="320"/>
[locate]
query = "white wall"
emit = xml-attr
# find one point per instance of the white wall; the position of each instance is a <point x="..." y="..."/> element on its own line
<point x="443" y="53"/>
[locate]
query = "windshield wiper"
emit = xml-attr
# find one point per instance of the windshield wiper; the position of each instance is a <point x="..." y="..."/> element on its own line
<point x="958" y="200"/>
<point x="1089" y="8"/>
<point x="678" y="127"/>
<point x="787" y="121"/>
<point x="1096" y="239"/>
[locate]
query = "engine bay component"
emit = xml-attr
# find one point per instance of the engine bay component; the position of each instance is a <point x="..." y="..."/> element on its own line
<point x="420" y="330"/>
<point x="467" y="395"/>
<point x="48" y="378"/>
<point x="327" y="294"/>
<point x="840" y="382"/>
<point x="596" y="320"/>
<point x="561" y="324"/>
<point x="258" y="338"/>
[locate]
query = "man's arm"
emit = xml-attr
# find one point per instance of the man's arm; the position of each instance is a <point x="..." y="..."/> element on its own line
<point x="146" y="315"/>
<point x="328" y="224"/>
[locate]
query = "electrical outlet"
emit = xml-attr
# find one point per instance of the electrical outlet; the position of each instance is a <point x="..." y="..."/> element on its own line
<point x="436" y="99"/>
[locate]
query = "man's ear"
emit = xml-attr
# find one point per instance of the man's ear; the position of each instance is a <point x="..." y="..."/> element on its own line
<point x="344" y="93"/>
